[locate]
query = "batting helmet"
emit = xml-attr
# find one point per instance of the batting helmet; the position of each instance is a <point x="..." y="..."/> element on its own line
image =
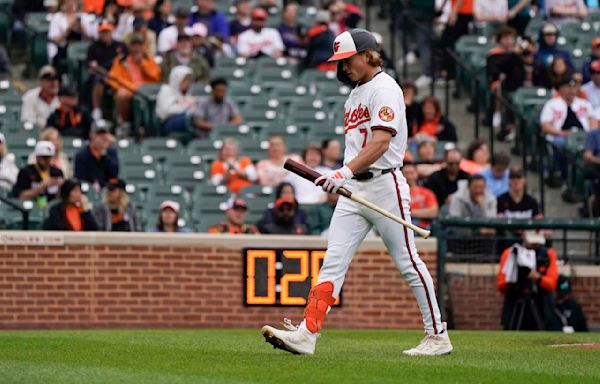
<point x="349" y="43"/>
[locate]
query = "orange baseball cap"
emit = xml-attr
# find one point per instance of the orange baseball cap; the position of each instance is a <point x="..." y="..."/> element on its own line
<point x="260" y="14"/>
<point x="284" y="200"/>
<point x="105" y="26"/>
<point x="595" y="66"/>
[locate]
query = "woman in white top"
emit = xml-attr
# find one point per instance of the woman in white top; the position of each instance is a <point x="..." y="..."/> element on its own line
<point x="270" y="170"/>
<point x="65" y="26"/>
<point x="8" y="169"/>
<point x="306" y="193"/>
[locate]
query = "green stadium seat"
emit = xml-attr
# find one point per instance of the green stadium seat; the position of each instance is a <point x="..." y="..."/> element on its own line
<point x="287" y="95"/>
<point x="183" y="160"/>
<point x="144" y="119"/>
<point x="323" y="131"/>
<point x="206" y="148"/>
<point x="311" y="78"/>
<point x="37" y="25"/>
<point x="258" y="197"/>
<point x="327" y="90"/>
<point x="187" y="177"/>
<point x="244" y="90"/>
<point x="210" y="198"/>
<point x="131" y="158"/>
<point x="166" y="192"/>
<point x="143" y="176"/>
<point x="13" y="218"/>
<point x="160" y="147"/>
<point x="232" y="130"/>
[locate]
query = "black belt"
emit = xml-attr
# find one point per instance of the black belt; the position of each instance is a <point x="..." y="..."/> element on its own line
<point x="368" y="175"/>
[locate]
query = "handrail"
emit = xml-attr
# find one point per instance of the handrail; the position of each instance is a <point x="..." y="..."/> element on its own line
<point x="19" y="208"/>
<point x="503" y="223"/>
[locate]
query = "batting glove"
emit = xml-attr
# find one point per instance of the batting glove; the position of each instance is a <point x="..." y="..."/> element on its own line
<point x="334" y="180"/>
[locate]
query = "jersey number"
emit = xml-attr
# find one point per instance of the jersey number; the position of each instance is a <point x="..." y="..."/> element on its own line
<point x="364" y="132"/>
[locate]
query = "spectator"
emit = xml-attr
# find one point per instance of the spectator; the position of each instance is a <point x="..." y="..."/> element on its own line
<point x="567" y="308"/>
<point x="431" y="123"/>
<point x="332" y="153"/>
<point x="561" y="12"/>
<point x="344" y="16"/>
<point x="445" y="181"/>
<point x="69" y="118"/>
<point x="235" y="218"/>
<point x="116" y="213"/>
<point x="174" y="101"/>
<point x="200" y="45"/>
<point x="140" y="27"/>
<point x="72" y="213"/>
<point x="215" y="21"/>
<point x="241" y="21"/>
<point x="413" y="107"/>
<point x="490" y="12"/>
<point x="527" y="276"/>
<point x="585" y="68"/>
<point x="8" y="168"/>
<point x="504" y="67"/>
<point x="219" y="109"/>
<point x="561" y="115"/>
<point x="282" y="219"/>
<point x="320" y="42"/>
<point x="185" y="54"/>
<point x="270" y="170"/>
<point x="516" y="203"/>
<point x="559" y="70"/>
<point x="160" y="19"/>
<point x="292" y="33"/>
<point x="461" y="15"/>
<point x="496" y="176"/>
<point x="128" y="73"/>
<point x="39" y="181"/>
<point x="98" y="162"/>
<point x="427" y="163"/>
<point x="65" y="26"/>
<point x="423" y="14"/>
<point x="592" y="88"/>
<point x="423" y="203"/>
<point x="100" y="55"/>
<point x="548" y="49"/>
<point x="122" y="15"/>
<point x="167" y="39"/>
<point x="232" y="170"/>
<point x="591" y="159"/>
<point x="259" y="40"/>
<point x="168" y="218"/>
<point x="535" y="72"/>
<point x="305" y="190"/>
<point x="478" y="157"/>
<point x="40" y="102"/>
<point x="60" y="159"/>
<point x="475" y="201"/>
<point x="518" y="15"/>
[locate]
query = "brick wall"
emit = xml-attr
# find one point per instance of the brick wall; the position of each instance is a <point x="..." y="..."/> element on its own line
<point x="155" y="280"/>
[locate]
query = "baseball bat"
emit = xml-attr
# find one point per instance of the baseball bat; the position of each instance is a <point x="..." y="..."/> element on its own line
<point x="311" y="175"/>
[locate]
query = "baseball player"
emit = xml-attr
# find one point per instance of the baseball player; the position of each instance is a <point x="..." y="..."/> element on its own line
<point x="376" y="135"/>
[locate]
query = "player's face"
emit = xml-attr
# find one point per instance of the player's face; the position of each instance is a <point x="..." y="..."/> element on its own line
<point x="356" y="67"/>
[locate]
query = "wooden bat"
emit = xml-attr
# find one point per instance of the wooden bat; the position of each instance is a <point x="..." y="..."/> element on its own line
<point x="311" y="175"/>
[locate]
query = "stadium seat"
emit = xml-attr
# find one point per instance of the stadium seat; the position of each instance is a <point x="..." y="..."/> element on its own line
<point x="131" y="158"/>
<point x="160" y="147"/>
<point x="143" y="176"/>
<point x="13" y="218"/>
<point x="210" y="198"/>
<point x="187" y="177"/>
<point x="144" y="119"/>
<point x="37" y="26"/>
<point x="166" y="192"/>
<point x="324" y="130"/>
<point x="232" y="130"/>
<point x="206" y="148"/>
<point x="258" y="198"/>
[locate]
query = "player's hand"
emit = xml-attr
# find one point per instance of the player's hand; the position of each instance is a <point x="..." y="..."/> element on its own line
<point x="334" y="180"/>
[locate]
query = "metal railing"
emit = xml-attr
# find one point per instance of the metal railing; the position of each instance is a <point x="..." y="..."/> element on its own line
<point x="24" y="212"/>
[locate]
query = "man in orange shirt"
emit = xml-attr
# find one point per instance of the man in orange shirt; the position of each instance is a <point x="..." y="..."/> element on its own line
<point x="528" y="275"/>
<point x="127" y="74"/>
<point x="232" y="170"/>
<point x="423" y="204"/>
<point x="235" y="219"/>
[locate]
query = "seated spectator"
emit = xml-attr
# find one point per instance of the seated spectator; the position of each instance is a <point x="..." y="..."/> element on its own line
<point x="200" y="44"/>
<point x="595" y="55"/>
<point x="73" y="212"/>
<point x="423" y="203"/>
<point x="219" y="109"/>
<point x="292" y="33"/>
<point x="431" y="123"/>
<point x="98" y="162"/>
<point x="591" y="159"/>
<point x="270" y="170"/>
<point x="444" y="182"/>
<point x="427" y="162"/>
<point x="516" y="203"/>
<point x="561" y="12"/>
<point x="592" y="88"/>
<point x="174" y="101"/>
<point x="475" y="201"/>
<point x="567" y="308"/>
<point x="320" y="43"/>
<point x="535" y="72"/>
<point x="558" y="71"/>
<point x="140" y="27"/>
<point x="282" y="219"/>
<point x="241" y="21"/>
<point x="306" y="193"/>
<point x="116" y="213"/>
<point x="496" y="176"/>
<point x="161" y="15"/>
<point x="548" y="47"/>
<point x="168" y="218"/>
<point x="100" y="55"/>
<point x="215" y="20"/>
<point x="184" y="54"/>
<point x="561" y="115"/>
<point x="519" y="15"/>
<point x="332" y="153"/>
<point x="235" y="218"/>
<point x="413" y="107"/>
<point x="65" y="26"/>
<point x="503" y="62"/>
<point x="8" y="168"/>
<point x="232" y="170"/>
<point x="259" y="40"/>
<point x="40" y="102"/>
<point x="167" y="39"/>
<point x="527" y="277"/>
<point x="69" y="118"/>
<point x="39" y="181"/>
<point x="344" y="16"/>
<point x="478" y="157"/>
<point x="60" y="159"/>
<point x="128" y="73"/>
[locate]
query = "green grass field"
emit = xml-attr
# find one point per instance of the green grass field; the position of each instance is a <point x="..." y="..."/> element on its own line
<point x="242" y="356"/>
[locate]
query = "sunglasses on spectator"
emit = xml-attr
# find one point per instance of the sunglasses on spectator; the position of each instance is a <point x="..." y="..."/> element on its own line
<point x="50" y="77"/>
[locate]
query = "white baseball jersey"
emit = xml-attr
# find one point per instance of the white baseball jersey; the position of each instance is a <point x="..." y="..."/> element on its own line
<point x="377" y="104"/>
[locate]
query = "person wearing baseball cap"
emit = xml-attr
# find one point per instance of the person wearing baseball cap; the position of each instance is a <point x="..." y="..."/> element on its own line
<point x="548" y="47"/>
<point x="355" y="47"/>
<point x="167" y="38"/>
<point x="41" y="101"/>
<point x="592" y="87"/>
<point x="200" y="44"/>
<point x="259" y="40"/>
<point x="140" y="26"/>
<point x="69" y="118"/>
<point x="8" y="168"/>
<point x="595" y="55"/>
<point x="215" y="20"/>
<point x="184" y="54"/>
<point x="168" y="218"/>
<point x="39" y="181"/>
<point x="97" y="162"/>
<point x="241" y="21"/>
<point x="116" y="213"/>
<point x="285" y="218"/>
<point x="568" y="309"/>
<point x="235" y="218"/>
<point x="73" y="213"/>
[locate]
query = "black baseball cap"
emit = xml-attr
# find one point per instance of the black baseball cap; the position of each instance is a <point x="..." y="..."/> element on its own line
<point x="566" y="80"/>
<point x="116" y="184"/>
<point x="351" y="42"/>
<point x="67" y="90"/>
<point x="181" y="12"/>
